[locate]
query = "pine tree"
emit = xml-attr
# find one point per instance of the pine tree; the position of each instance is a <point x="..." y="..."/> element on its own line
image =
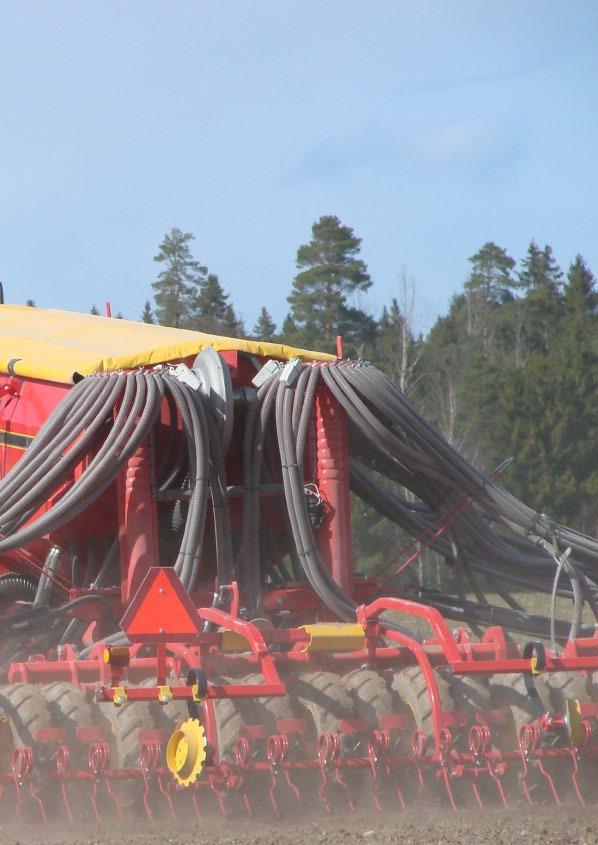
<point x="491" y="270"/>
<point x="147" y="315"/>
<point x="488" y="288"/>
<point x="330" y="272"/>
<point x="94" y="310"/>
<point x="176" y="288"/>
<point x="30" y="303"/>
<point x="265" y="327"/>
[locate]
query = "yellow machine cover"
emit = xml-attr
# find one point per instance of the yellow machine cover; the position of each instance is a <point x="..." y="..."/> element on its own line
<point x="53" y="345"/>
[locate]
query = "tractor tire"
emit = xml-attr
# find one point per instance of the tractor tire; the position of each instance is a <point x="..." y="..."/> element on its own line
<point x="268" y="710"/>
<point x="69" y="710"/>
<point x="231" y="714"/>
<point x="229" y="721"/>
<point x="469" y="693"/>
<point x="323" y="697"/>
<point x="509" y="691"/>
<point x="566" y="685"/>
<point x="370" y="695"/>
<point x="411" y="689"/>
<point x="68" y="706"/>
<point x="124" y="724"/>
<point x="23" y="711"/>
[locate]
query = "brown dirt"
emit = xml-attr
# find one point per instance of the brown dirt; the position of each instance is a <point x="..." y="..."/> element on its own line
<point x="541" y="825"/>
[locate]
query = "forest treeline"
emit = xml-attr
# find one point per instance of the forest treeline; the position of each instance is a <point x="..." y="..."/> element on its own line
<point x="510" y="370"/>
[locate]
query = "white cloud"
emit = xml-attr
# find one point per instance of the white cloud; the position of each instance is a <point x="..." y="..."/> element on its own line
<point x="482" y="145"/>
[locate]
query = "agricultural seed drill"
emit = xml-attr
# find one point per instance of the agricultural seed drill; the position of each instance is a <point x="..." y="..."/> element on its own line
<point x="183" y="625"/>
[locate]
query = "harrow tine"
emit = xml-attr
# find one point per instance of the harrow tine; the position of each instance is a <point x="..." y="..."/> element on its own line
<point x="484" y="761"/>
<point x="550" y="780"/>
<point x="195" y="802"/>
<point x="419" y="748"/>
<point x="378" y="751"/>
<point x="23" y="768"/>
<point x="152" y="778"/>
<point x="574" y="776"/>
<point x="62" y="771"/>
<point x="98" y="761"/>
<point x="446" y="765"/>
<point x="277" y="753"/>
<point x="328" y="748"/>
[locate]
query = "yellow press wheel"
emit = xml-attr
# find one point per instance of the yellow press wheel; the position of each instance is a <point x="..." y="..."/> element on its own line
<point x="186" y="752"/>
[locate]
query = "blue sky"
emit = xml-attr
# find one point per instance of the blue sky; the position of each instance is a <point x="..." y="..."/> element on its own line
<point x="429" y="127"/>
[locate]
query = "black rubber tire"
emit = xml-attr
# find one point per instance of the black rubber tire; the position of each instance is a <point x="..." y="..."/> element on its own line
<point x="370" y="695"/>
<point x="229" y="722"/>
<point x="24" y="707"/>
<point x="268" y="710"/>
<point x="470" y="693"/>
<point x="412" y="691"/>
<point x="124" y="724"/>
<point x="566" y="685"/>
<point x="324" y="697"/>
<point x="510" y="691"/>
<point x="68" y="706"/>
<point x="231" y="714"/>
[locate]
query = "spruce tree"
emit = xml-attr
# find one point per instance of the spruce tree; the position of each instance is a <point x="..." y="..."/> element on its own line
<point x="265" y="327"/>
<point x="540" y="276"/>
<point x="580" y="298"/>
<point x="539" y="270"/>
<point x="212" y="312"/>
<point x="330" y="272"/>
<point x="289" y="331"/>
<point x="445" y="356"/>
<point x="147" y="315"/>
<point x="94" y="310"/>
<point x="177" y="284"/>
<point x="397" y="351"/>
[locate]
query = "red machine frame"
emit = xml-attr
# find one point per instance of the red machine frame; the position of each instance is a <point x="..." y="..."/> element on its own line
<point x="384" y="753"/>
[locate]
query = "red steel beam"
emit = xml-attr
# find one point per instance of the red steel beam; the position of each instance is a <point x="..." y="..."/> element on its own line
<point x="138" y="524"/>
<point x="335" y="542"/>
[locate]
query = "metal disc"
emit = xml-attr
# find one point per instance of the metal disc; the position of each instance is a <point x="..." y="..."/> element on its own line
<point x="217" y="385"/>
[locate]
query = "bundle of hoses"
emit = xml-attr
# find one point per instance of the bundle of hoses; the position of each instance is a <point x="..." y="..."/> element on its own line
<point x="98" y="425"/>
<point x="491" y="533"/>
<point x="104" y="418"/>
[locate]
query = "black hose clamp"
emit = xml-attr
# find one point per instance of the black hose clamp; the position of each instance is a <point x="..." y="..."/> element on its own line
<point x="536" y="653"/>
<point x="198" y="678"/>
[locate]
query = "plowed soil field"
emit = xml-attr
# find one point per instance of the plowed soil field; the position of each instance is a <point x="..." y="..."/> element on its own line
<point x="542" y="825"/>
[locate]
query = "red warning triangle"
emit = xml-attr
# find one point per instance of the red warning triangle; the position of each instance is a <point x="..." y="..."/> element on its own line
<point x="161" y="610"/>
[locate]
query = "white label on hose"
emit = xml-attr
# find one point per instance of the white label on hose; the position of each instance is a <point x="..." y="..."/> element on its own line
<point x="186" y="376"/>
<point x="269" y="368"/>
<point x="290" y="371"/>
